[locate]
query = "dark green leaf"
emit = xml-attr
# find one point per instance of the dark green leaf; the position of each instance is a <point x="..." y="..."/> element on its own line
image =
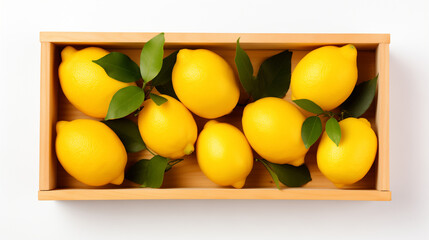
<point x="273" y="78"/>
<point x="309" y="105"/>
<point x="156" y="170"/>
<point x="271" y="172"/>
<point x="163" y="82"/>
<point x="148" y="173"/>
<point x="333" y="130"/>
<point x="167" y="89"/>
<point x="151" y="57"/>
<point x="311" y="130"/>
<point x="129" y="134"/>
<point x="159" y="100"/>
<point x="274" y="75"/>
<point x="287" y="174"/>
<point x="164" y="75"/>
<point x="245" y="71"/>
<point x="360" y="99"/>
<point x="120" y="67"/>
<point x="124" y="102"/>
<point x="291" y="176"/>
<point x="138" y="171"/>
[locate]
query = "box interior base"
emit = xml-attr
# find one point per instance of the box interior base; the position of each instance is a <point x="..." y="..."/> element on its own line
<point x="187" y="174"/>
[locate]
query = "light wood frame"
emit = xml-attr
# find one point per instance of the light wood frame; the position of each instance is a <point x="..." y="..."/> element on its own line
<point x="49" y="112"/>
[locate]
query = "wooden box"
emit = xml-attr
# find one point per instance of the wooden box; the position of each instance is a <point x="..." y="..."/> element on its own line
<point x="185" y="180"/>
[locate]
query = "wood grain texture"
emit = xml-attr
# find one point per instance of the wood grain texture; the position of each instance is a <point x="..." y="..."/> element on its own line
<point x="185" y="180"/>
<point x="219" y="40"/>
<point x="382" y="117"/>
<point x="208" y="193"/>
<point x="48" y="118"/>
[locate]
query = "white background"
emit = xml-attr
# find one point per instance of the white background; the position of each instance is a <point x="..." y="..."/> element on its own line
<point x="22" y="216"/>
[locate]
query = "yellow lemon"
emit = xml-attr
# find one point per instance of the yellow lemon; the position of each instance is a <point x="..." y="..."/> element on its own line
<point x="85" y="84"/>
<point x="205" y="83"/>
<point x="326" y="76"/>
<point x="224" y="155"/>
<point x="273" y="128"/>
<point x="169" y="129"/>
<point x="351" y="160"/>
<point x="90" y="152"/>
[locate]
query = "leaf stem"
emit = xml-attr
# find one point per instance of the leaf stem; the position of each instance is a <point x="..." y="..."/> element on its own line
<point x="149" y="91"/>
<point x="136" y="113"/>
<point x="331" y="114"/>
<point x="271" y="172"/>
<point x="176" y="161"/>
<point x="150" y="151"/>
<point x="171" y="163"/>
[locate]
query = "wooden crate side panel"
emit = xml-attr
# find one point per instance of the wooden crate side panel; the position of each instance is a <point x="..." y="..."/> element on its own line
<point x="50" y="114"/>
<point x="382" y="117"/>
<point x="205" y="193"/>
<point x="48" y="118"/>
<point x="225" y="40"/>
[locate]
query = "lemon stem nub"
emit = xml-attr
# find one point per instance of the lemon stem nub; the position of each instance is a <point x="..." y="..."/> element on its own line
<point x="60" y="125"/>
<point x="118" y="180"/>
<point x="189" y="149"/>
<point x="67" y="52"/>
<point x="239" y="184"/>
<point x="298" y="162"/>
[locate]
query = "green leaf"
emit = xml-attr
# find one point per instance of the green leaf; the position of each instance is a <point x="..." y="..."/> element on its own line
<point x="274" y="75"/>
<point x="289" y="175"/>
<point x="148" y="173"/>
<point x="129" y="134"/>
<point x="124" y="102"/>
<point x="361" y="98"/>
<point x="156" y="170"/>
<point x="273" y="78"/>
<point x="292" y="176"/>
<point x="159" y="100"/>
<point x="151" y="57"/>
<point x="120" y="67"/>
<point x="245" y="71"/>
<point x="163" y="82"/>
<point x="311" y="130"/>
<point x="309" y="105"/>
<point x="138" y="171"/>
<point x="271" y="172"/>
<point x="164" y="75"/>
<point x="333" y="130"/>
<point x="167" y="89"/>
